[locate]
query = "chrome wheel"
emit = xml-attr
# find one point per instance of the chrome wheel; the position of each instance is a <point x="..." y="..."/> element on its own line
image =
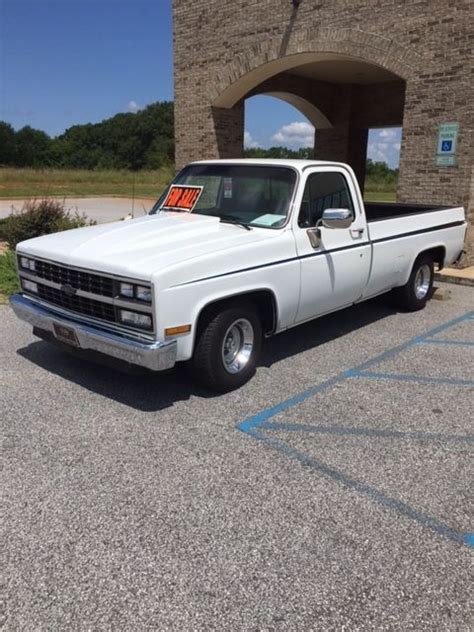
<point x="422" y="281"/>
<point x="238" y="345"/>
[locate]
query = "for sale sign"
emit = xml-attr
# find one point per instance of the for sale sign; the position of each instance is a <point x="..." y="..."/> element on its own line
<point x="182" y="197"/>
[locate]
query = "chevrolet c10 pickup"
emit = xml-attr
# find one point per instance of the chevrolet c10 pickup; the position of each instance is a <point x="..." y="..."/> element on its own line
<point x="232" y="252"/>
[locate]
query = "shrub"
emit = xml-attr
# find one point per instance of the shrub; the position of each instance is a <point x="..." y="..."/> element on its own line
<point x="8" y="276"/>
<point x="40" y="217"/>
<point x="3" y="221"/>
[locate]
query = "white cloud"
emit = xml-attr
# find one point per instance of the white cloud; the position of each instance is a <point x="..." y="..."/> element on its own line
<point x="388" y="134"/>
<point x="133" y="107"/>
<point x="378" y="152"/>
<point x="384" y="146"/>
<point x="295" y="135"/>
<point x="249" y="142"/>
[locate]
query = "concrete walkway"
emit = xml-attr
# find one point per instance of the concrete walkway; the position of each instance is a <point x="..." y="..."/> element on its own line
<point x="101" y="209"/>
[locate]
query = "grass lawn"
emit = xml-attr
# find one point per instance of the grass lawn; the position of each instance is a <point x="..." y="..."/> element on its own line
<point x="26" y="183"/>
<point x="380" y="196"/>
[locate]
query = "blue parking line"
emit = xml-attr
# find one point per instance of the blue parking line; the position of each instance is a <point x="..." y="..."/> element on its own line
<point x="375" y="494"/>
<point x="439" y="341"/>
<point x="375" y="375"/>
<point x="254" y="425"/>
<point x="469" y="539"/>
<point x="383" y="433"/>
<point x="257" y="420"/>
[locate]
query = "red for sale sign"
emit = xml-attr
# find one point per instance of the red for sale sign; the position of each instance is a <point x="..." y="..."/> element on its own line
<point x="182" y="197"/>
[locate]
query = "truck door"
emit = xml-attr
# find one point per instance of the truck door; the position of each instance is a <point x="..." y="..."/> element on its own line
<point x="335" y="271"/>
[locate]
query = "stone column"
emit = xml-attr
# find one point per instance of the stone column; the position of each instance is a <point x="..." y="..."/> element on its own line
<point x="344" y="142"/>
<point x="203" y="132"/>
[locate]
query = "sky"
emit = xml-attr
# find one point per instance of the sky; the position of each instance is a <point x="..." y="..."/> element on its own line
<point x="68" y="62"/>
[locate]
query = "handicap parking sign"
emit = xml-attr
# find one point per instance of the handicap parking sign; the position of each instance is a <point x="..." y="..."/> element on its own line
<point x="446" y="147"/>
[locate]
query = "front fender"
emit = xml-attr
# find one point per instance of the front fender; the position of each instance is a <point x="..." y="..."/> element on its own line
<point x="183" y="304"/>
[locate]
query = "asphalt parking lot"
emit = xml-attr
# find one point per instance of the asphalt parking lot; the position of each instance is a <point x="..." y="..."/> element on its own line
<point x="334" y="491"/>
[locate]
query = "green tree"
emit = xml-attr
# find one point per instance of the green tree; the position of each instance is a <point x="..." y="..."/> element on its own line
<point x="31" y="147"/>
<point x="125" y="141"/>
<point x="7" y="143"/>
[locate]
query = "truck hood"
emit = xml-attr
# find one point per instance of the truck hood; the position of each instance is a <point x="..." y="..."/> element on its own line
<point x="138" y="248"/>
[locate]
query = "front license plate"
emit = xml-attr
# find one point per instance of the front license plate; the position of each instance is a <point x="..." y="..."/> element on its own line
<point x="65" y="334"/>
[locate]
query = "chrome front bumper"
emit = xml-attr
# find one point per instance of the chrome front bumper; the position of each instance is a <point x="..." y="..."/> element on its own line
<point x="157" y="356"/>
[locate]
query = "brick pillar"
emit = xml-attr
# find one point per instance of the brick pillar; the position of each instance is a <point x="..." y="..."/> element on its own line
<point x="203" y="132"/>
<point x="430" y="101"/>
<point x="344" y="142"/>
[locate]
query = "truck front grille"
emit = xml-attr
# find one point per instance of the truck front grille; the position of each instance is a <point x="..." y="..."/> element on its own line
<point x="88" y="294"/>
<point x="78" y="279"/>
<point x="76" y="303"/>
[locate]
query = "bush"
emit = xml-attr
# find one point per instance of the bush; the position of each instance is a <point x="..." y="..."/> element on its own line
<point x="8" y="276"/>
<point x="40" y="217"/>
<point x="3" y="221"/>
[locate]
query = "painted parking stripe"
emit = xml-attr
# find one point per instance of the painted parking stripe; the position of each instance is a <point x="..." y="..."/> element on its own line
<point x="401" y="377"/>
<point x="383" y="433"/>
<point x="364" y="489"/>
<point x="254" y="425"/>
<point x="439" y="341"/>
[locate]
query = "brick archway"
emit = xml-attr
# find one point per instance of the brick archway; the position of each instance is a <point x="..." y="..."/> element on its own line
<point x="229" y="51"/>
<point x="258" y="63"/>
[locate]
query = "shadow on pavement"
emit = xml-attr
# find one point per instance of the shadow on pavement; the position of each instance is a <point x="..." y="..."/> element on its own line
<point x="325" y="329"/>
<point x="148" y="391"/>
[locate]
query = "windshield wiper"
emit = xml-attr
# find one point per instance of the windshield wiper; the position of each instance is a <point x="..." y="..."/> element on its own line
<point x="228" y="219"/>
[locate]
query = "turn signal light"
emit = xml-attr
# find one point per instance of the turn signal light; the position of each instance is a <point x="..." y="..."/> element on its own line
<point x="173" y="331"/>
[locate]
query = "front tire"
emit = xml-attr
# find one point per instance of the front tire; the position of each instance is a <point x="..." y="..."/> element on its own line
<point x="228" y="347"/>
<point x="418" y="290"/>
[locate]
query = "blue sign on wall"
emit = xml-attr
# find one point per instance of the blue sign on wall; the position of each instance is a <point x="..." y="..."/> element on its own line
<point x="447" y="141"/>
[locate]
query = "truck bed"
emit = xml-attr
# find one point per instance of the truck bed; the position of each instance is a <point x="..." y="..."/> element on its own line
<point x="376" y="211"/>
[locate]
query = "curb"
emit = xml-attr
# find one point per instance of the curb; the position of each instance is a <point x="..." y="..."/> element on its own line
<point x="448" y="278"/>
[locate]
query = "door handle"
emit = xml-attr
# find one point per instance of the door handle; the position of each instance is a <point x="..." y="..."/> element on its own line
<point x="356" y="233"/>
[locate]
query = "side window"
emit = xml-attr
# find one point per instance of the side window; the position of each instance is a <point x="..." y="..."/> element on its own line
<point x="323" y="190"/>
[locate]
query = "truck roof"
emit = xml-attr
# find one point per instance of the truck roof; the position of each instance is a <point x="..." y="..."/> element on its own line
<point x="295" y="163"/>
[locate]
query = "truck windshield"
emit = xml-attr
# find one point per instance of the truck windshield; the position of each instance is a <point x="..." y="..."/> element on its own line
<point x="254" y="195"/>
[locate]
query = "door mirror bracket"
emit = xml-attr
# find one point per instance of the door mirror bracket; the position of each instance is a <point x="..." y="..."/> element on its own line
<point x="314" y="236"/>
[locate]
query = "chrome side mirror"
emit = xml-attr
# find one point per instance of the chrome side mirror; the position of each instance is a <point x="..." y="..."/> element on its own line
<point x="337" y="218"/>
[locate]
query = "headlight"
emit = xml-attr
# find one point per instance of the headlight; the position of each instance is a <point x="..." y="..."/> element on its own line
<point x="139" y="292"/>
<point x="143" y="293"/>
<point x="134" y="319"/>
<point x="27" y="264"/>
<point x="29" y="286"/>
<point x="126" y="289"/>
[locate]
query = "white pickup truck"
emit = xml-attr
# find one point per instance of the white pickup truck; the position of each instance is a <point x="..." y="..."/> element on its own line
<point x="233" y="251"/>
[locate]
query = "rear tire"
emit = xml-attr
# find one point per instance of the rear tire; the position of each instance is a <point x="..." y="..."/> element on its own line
<point x="228" y="347"/>
<point x="418" y="290"/>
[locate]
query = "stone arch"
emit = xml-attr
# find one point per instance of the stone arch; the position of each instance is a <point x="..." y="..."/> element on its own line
<point x="260" y="62"/>
<point x="316" y="117"/>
